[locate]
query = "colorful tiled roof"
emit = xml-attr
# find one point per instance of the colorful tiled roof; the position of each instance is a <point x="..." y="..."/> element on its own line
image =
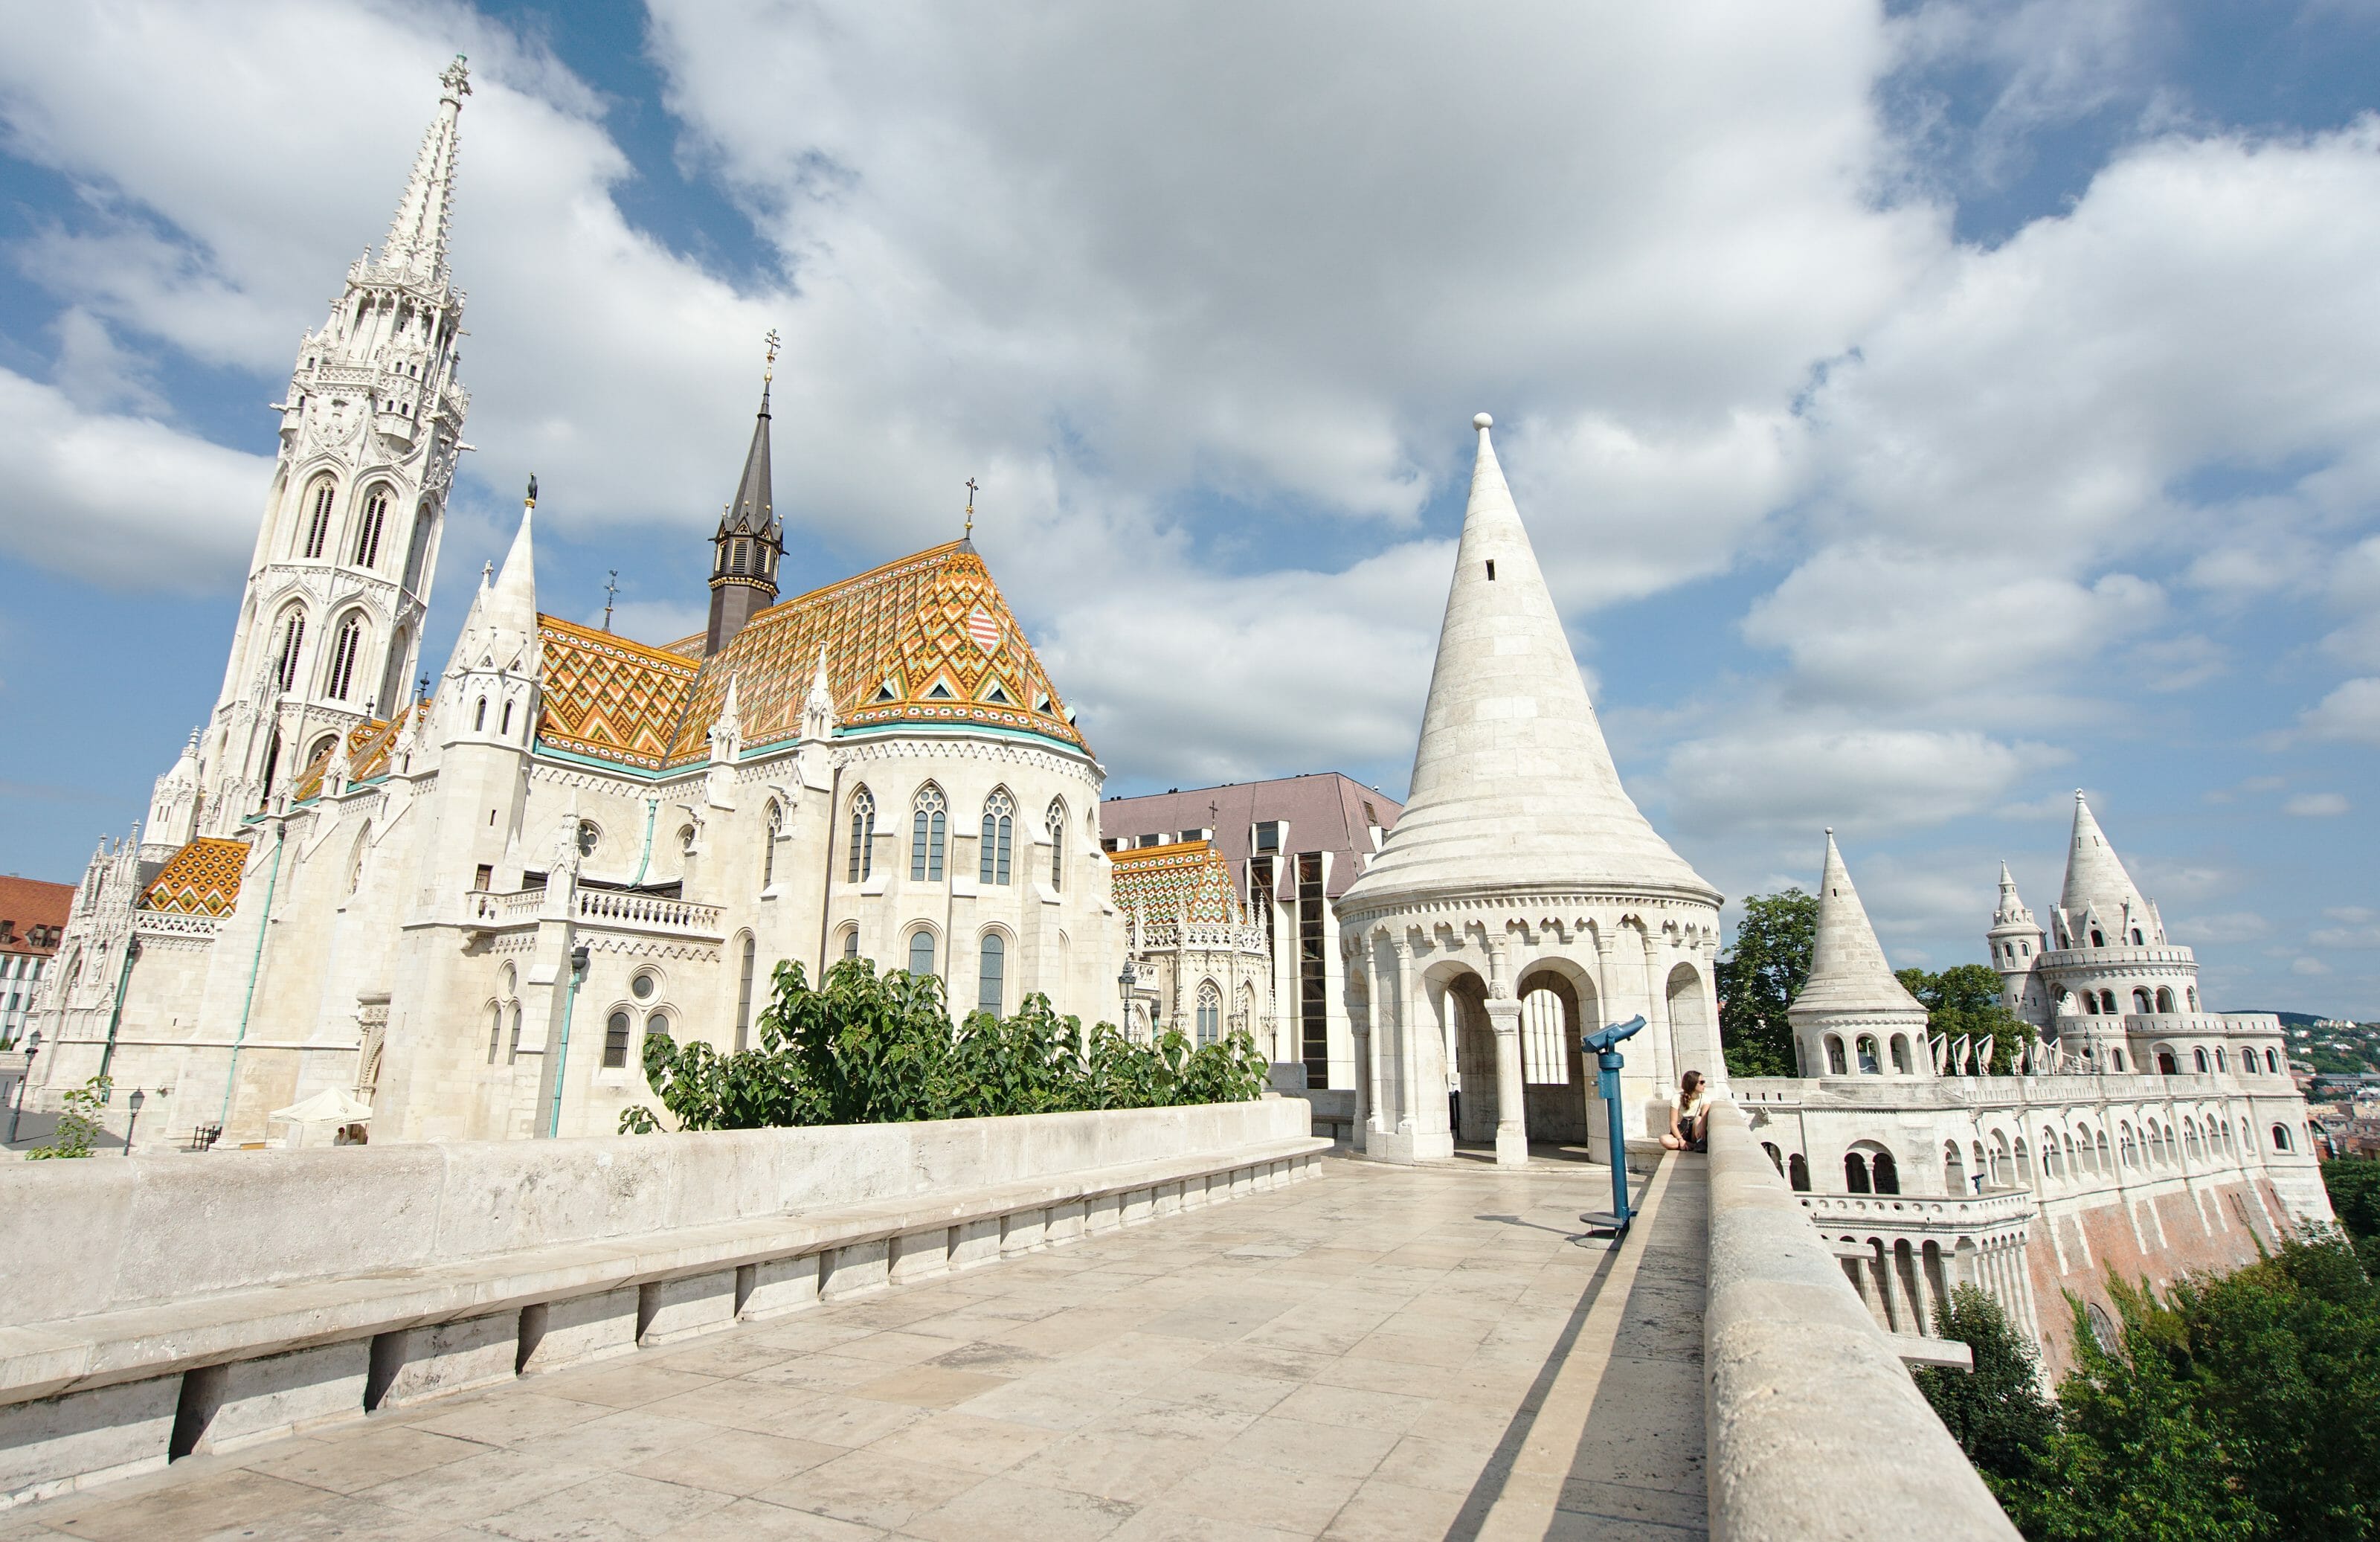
<point x="611" y="699"/>
<point x="202" y="878"/>
<point x="927" y="639"/>
<point x="369" y="747"/>
<point x="1163" y="883"/>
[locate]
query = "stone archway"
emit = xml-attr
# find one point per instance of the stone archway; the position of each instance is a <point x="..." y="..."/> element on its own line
<point x="1464" y="1000"/>
<point x="1554" y="1084"/>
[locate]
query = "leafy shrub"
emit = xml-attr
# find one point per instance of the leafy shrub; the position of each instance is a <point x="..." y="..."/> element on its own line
<point x="78" y="1126"/>
<point x="866" y="1048"/>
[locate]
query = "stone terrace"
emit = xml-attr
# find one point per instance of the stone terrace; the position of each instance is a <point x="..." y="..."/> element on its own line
<point x="1389" y="1353"/>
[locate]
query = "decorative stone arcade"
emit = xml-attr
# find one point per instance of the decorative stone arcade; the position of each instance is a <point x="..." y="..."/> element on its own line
<point x="1519" y="865"/>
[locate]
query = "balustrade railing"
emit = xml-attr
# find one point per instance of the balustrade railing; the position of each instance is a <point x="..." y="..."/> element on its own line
<point x="649" y="912"/>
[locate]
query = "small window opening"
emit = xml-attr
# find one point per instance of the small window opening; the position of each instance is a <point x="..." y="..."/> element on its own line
<point x="1491" y="570"/>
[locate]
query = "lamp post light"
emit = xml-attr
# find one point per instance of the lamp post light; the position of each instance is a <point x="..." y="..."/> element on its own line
<point x="1124" y="982"/>
<point x="32" y="1048"/>
<point x="132" y="1124"/>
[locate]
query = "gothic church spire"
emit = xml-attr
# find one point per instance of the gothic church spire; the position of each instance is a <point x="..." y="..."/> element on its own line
<point x="750" y="539"/>
<point x="417" y="235"/>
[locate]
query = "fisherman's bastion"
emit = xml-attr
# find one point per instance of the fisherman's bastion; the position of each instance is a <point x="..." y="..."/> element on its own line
<point x="366" y="911"/>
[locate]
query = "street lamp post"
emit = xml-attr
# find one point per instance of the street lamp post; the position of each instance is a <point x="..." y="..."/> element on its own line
<point x="134" y="1122"/>
<point x="32" y="1048"/>
<point x="1124" y="982"/>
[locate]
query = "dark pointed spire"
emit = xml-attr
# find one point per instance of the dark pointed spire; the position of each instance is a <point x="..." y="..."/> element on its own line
<point x="749" y="513"/>
<point x="751" y="538"/>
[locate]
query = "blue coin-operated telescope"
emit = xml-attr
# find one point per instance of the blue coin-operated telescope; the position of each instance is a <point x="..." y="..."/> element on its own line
<point x="1604" y="1045"/>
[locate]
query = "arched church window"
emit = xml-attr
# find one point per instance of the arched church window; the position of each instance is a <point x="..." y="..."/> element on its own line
<point x="589" y="837"/>
<point x="2115" y="1059"/>
<point x="992" y="965"/>
<point x="2165" y="999"/>
<point x="2198" y="1060"/>
<point x="1954" y="1169"/>
<point x="506" y="729"/>
<point x="863" y="836"/>
<point x="2139" y="1000"/>
<point x="744" y="997"/>
<point x="928" y="825"/>
<point x="1797" y="1173"/>
<point x="2220" y="1063"/>
<point x="285" y="650"/>
<point x="851" y="942"/>
<point x="616" y="1030"/>
<point x="272" y="764"/>
<point x="1886" y="1172"/>
<point x="773" y="826"/>
<point x="2164" y="1062"/>
<point x="2137" y="940"/>
<point x="1055" y="823"/>
<point x="1835" y="1065"/>
<point x="368" y="533"/>
<point x="2097" y="939"/>
<point x="479" y="715"/>
<point x="318" y="516"/>
<point x="999" y="835"/>
<point x="347" y="642"/>
<point x="1210" y="1012"/>
<point x="2280" y="1138"/>
<point x="921" y="952"/>
<point x="2193" y="991"/>
<point x="1855" y="1179"/>
<point x="2273" y="1062"/>
<point x="496" y="1030"/>
<point x="1868" y="1063"/>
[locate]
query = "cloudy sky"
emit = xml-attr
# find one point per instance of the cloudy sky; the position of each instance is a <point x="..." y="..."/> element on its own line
<point x="1921" y="410"/>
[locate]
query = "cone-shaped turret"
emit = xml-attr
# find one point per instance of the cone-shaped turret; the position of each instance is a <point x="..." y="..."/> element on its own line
<point x="1847" y="972"/>
<point x="417" y="235"/>
<point x="2096" y="884"/>
<point x="2011" y="910"/>
<point x="1512" y="784"/>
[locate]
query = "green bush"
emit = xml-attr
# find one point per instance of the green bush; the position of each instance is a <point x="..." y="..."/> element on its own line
<point x="866" y="1048"/>
<point x="78" y="1128"/>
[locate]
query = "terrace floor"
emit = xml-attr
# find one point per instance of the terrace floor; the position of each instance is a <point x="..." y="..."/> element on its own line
<point x="1386" y="1353"/>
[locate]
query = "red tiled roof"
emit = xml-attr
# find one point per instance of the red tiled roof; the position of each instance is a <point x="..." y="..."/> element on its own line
<point x="29" y="908"/>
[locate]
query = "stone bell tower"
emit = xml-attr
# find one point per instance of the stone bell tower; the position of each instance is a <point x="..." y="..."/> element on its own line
<point x="329" y="630"/>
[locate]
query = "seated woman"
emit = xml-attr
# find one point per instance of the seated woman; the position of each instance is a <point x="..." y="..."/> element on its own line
<point x="1687" y="1117"/>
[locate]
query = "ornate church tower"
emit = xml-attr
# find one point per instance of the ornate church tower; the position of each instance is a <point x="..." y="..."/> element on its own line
<point x="330" y="627"/>
<point x="751" y="540"/>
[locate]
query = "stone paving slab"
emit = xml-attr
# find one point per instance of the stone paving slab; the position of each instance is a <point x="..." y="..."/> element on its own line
<point x="1387" y="1352"/>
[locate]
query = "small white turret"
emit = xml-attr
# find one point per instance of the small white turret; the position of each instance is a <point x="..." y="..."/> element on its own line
<point x="2016" y="942"/>
<point x="1853" y="1016"/>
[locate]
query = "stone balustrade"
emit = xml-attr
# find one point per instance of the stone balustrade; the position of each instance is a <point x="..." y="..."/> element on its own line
<point x="175" y="923"/>
<point x="210" y="1302"/>
<point x="1813" y="1425"/>
<point x="611" y="907"/>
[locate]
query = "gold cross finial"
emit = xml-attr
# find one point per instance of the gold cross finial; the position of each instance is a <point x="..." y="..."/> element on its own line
<point x="970" y="517"/>
<point x="770" y="372"/>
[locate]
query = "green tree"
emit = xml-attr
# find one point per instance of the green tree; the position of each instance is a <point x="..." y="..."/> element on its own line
<point x="78" y="1126"/>
<point x="2244" y="1405"/>
<point x="1758" y="978"/>
<point x="1997" y="1411"/>
<point x="1965" y="999"/>
<point x="868" y="1048"/>
<point x="2354" y="1185"/>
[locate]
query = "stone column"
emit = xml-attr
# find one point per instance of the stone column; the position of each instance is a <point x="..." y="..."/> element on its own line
<point x="1400" y="952"/>
<point x="1386" y="1009"/>
<point x="1656" y="1018"/>
<point x="1358" y="1130"/>
<point x="1512" y="1120"/>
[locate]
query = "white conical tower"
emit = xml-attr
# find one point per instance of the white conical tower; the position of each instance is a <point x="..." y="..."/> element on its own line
<point x="1518" y="865"/>
<point x="2017" y="944"/>
<point x="1513" y="782"/>
<point x="491" y="693"/>
<point x="2099" y="890"/>
<point x="1852" y="1016"/>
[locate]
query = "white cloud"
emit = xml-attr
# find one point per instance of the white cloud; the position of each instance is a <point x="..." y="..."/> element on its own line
<point x="2309" y="968"/>
<point x="121" y="499"/>
<point x="2235" y="925"/>
<point x="2361" y="935"/>
<point x="2351" y="713"/>
<point x="1782" y="775"/>
<point x="2317" y="806"/>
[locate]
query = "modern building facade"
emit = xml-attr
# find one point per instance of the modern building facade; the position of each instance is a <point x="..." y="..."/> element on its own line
<point x="1290" y="847"/>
